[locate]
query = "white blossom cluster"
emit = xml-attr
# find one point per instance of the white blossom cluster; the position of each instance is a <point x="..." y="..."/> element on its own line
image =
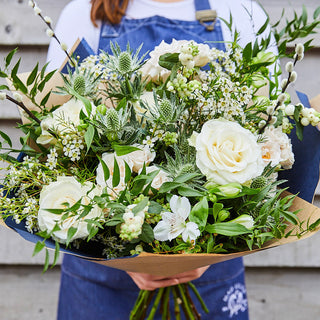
<point x="72" y="146"/>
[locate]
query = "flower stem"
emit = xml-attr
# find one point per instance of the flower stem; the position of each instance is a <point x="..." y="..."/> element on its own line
<point x="139" y="301"/>
<point x="176" y="304"/>
<point x="193" y="307"/>
<point x="165" y="304"/>
<point x="189" y="314"/>
<point x="155" y="304"/>
<point x="196" y="292"/>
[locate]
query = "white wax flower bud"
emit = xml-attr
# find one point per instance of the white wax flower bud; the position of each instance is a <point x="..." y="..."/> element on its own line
<point x="282" y="98"/>
<point x="2" y="95"/>
<point x="305" y="121"/>
<point x="64" y="46"/>
<point x="293" y="77"/>
<point x="283" y="84"/>
<point x="299" y="49"/>
<point x="273" y="120"/>
<point x="289" y="110"/>
<point x="17" y="96"/>
<point x="31" y="3"/>
<point x="47" y="19"/>
<point x="49" y="33"/>
<point x="37" y="10"/>
<point x="270" y="110"/>
<point x="289" y="66"/>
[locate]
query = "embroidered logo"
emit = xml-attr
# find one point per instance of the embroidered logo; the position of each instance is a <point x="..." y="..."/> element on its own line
<point x="235" y="300"/>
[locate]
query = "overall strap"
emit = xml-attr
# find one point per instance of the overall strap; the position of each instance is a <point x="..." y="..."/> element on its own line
<point x="204" y="14"/>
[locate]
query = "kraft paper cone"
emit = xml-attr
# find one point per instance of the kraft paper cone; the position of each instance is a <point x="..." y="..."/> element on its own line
<point x="168" y="265"/>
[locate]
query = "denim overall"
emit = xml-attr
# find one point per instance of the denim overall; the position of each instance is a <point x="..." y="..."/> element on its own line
<point x="91" y="291"/>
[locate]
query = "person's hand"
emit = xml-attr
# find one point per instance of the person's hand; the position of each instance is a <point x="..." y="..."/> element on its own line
<point x="150" y="282"/>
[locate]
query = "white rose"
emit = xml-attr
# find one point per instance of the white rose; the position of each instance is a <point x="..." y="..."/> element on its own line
<point x="66" y="190"/>
<point x="204" y="55"/>
<point x="148" y="99"/>
<point x="62" y="120"/>
<point x="152" y="68"/>
<point x="226" y="152"/>
<point x="278" y="148"/>
<point x="159" y="179"/>
<point x="140" y="157"/>
<point x="108" y="159"/>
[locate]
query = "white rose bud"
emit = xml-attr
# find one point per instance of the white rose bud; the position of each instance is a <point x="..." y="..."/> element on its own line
<point x="289" y="110"/>
<point x="293" y="77"/>
<point x="289" y="66"/>
<point x="17" y="96"/>
<point x="3" y="95"/>
<point x="305" y="121"/>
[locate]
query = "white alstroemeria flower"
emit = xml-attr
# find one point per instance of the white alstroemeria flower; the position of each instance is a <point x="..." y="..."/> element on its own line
<point x="174" y="223"/>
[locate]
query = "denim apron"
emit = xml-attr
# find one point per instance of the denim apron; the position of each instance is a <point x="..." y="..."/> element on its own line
<point x="91" y="291"/>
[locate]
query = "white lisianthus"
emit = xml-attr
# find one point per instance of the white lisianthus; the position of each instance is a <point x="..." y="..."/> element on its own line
<point x="140" y="157"/>
<point x="66" y="190"/>
<point x="159" y="179"/>
<point x="277" y="149"/>
<point x="174" y="223"/>
<point x="62" y="120"/>
<point x="108" y="159"/>
<point x="226" y="153"/>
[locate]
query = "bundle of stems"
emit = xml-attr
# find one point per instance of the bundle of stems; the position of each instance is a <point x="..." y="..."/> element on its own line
<point x="151" y="301"/>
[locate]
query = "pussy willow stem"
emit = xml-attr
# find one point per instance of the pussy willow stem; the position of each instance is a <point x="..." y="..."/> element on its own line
<point x="22" y="106"/>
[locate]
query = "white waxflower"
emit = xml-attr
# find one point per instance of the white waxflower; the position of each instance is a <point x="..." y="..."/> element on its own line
<point x="174" y="223"/>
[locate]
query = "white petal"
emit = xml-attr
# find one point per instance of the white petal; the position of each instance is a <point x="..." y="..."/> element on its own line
<point x="180" y="206"/>
<point x="161" y="231"/>
<point x="191" y="232"/>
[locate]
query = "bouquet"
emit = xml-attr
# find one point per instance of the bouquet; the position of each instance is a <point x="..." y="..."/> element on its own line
<point x="175" y="156"/>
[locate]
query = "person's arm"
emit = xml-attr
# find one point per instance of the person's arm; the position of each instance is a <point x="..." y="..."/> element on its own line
<point x="149" y="282"/>
<point x="315" y="103"/>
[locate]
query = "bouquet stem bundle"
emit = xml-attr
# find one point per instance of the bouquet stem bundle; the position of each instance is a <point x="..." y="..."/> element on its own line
<point x="160" y="299"/>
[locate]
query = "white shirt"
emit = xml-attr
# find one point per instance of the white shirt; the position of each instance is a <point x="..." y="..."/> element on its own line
<point x="74" y="22"/>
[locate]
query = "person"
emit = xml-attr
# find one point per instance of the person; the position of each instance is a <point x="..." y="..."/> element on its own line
<point x="92" y="291"/>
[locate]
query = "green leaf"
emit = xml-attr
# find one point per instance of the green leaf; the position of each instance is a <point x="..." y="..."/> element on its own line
<point x="187" y="191"/>
<point x="140" y="206"/>
<point x="217" y="207"/>
<point x="264" y="27"/>
<point x="199" y="213"/>
<point x="106" y="171"/>
<point x="38" y="247"/>
<point x="116" y="173"/>
<point x="56" y="254"/>
<point x="229" y="229"/>
<point x="32" y="75"/>
<point x="45" y="99"/>
<point x="18" y="84"/>
<point x="168" y="186"/>
<point x="122" y="150"/>
<point x="147" y="233"/>
<point x="71" y="232"/>
<point x="46" y="262"/>
<point x="6" y="138"/>
<point x="291" y="217"/>
<point x="3" y="74"/>
<point x="10" y="56"/>
<point x="168" y="60"/>
<point x="127" y="172"/>
<point x="247" y="52"/>
<point x="186" y="177"/>
<point x="210" y="244"/>
<point x="316" y="13"/>
<point x="89" y="135"/>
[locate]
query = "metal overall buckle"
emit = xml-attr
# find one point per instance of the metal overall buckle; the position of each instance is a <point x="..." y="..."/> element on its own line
<point x="204" y="16"/>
